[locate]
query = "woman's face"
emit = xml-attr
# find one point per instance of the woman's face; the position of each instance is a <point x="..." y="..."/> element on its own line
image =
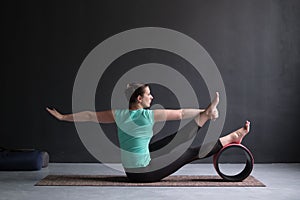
<point x="146" y="99"/>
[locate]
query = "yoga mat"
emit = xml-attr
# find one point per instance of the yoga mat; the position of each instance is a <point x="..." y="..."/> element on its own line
<point x="170" y="181"/>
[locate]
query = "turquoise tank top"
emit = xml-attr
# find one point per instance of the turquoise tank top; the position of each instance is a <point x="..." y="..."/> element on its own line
<point x="135" y="129"/>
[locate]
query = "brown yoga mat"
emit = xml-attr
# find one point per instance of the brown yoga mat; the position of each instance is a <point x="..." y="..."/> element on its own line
<point x="171" y="181"/>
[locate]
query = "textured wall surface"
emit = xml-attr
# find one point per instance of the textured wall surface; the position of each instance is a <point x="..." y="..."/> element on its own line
<point x="255" y="44"/>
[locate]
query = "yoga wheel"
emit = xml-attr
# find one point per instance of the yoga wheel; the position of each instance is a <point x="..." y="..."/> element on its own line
<point x="228" y="149"/>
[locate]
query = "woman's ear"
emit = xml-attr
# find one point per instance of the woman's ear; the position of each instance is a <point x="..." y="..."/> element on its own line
<point x="139" y="99"/>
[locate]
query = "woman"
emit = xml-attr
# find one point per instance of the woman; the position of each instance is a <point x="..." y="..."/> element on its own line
<point x="135" y="132"/>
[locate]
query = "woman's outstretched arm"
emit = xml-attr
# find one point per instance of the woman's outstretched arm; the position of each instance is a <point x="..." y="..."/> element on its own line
<point x="84" y="116"/>
<point x="200" y="115"/>
<point x="166" y="114"/>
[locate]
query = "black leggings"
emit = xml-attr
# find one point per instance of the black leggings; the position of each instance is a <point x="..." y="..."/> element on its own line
<point x="168" y="163"/>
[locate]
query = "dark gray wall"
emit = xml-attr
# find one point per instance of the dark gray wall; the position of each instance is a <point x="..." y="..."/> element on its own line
<point x="255" y="44"/>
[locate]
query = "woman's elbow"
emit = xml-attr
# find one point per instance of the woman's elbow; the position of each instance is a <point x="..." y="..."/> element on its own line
<point x="180" y="114"/>
<point x="91" y="116"/>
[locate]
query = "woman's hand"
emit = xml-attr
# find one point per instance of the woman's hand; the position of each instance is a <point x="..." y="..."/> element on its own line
<point x="55" y="113"/>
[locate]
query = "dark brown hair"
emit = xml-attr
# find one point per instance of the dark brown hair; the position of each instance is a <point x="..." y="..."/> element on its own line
<point x="133" y="90"/>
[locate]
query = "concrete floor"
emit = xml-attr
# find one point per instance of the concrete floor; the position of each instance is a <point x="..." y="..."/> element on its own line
<point x="282" y="181"/>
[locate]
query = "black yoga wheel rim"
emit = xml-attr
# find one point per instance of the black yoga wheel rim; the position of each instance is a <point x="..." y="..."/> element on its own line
<point x="248" y="165"/>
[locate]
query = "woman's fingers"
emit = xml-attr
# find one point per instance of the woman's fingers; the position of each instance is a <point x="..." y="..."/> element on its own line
<point x="54" y="113"/>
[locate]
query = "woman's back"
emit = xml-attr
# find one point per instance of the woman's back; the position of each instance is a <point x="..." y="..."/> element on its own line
<point x="135" y="130"/>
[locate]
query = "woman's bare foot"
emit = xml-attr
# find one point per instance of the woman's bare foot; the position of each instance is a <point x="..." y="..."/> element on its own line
<point x="236" y="136"/>
<point x="211" y="112"/>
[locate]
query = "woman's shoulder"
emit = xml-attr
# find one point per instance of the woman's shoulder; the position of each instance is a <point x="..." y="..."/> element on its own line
<point x="149" y="114"/>
<point x="148" y="111"/>
<point x="142" y="111"/>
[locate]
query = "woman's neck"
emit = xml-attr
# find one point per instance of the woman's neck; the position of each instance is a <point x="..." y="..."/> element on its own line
<point x="135" y="107"/>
